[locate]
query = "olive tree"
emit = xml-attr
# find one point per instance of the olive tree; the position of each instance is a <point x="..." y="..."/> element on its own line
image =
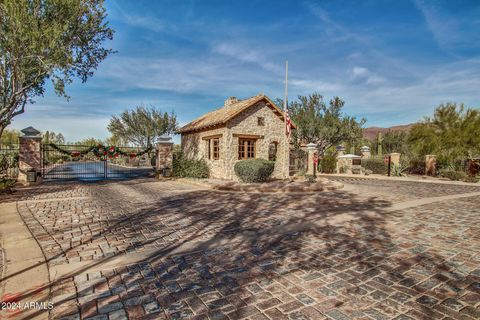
<point x="43" y="40"/>
<point x="142" y="126"/>
<point x="325" y="125"/>
<point x="452" y="133"/>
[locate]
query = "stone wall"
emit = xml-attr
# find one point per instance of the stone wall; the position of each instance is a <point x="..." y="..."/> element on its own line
<point x="246" y="123"/>
<point x="272" y="131"/>
<point x="194" y="146"/>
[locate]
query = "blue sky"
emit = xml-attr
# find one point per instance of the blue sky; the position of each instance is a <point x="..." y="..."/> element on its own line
<point x="391" y="61"/>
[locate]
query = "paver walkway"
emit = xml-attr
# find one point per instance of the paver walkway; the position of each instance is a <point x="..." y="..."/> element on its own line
<point x="145" y="249"/>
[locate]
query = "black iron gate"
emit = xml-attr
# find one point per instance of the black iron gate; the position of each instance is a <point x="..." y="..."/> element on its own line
<point x="90" y="163"/>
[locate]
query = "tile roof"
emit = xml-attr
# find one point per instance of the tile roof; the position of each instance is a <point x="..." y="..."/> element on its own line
<point x="227" y="112"/>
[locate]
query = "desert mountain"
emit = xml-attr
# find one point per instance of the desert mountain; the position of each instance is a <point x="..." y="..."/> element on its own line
<point x="372" y="132"/>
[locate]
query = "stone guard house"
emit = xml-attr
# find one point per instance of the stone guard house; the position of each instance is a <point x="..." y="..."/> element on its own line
<point x="241" y="129"/>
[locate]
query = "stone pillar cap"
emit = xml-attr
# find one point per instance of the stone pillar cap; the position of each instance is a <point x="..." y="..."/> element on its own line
<point x="312" y="146"/>
<point x="165" y="139"/>
<point x="30" y="132"/>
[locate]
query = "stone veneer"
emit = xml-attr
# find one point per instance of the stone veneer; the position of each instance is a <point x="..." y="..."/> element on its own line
<point x="164" y="156"/>
<point x="30" y="156"/>
<point x="273" y="130"/>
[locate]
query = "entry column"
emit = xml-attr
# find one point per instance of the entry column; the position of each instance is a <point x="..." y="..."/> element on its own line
<point x="312" y="157"/>
<point x="30" y="156"/>
<point x="164" y="165"/>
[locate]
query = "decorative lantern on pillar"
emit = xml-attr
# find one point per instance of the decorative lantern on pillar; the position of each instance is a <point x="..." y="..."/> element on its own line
<point x="340" y="150"/>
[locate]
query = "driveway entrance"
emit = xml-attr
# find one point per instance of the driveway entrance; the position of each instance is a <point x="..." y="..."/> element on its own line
<point x="145" y="249"/>
<point x="91" y="163"/>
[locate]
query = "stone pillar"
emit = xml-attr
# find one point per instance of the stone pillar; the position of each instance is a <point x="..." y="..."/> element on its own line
<point x="164" y="164"/>
<point x="365" y="152"/>
<point x="430" y="164"/>
<point x="30" y="155"/>
<point x="395" y="158"/>
<point x="311" y="149"/>
<point x="340" y="162"/>
<point x="340" y="150"/>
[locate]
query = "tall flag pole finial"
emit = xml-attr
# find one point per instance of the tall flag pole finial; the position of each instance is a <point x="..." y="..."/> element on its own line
<point x="288" y="122"/>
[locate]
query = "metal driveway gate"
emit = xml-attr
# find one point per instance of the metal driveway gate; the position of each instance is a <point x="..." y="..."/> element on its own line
<point x="90" y="163"/>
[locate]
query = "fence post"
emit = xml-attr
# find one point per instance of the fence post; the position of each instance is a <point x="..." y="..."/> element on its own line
<point x="30" y="156"/>
<point x="164" y="153"/>
<point x="340" y="162"/>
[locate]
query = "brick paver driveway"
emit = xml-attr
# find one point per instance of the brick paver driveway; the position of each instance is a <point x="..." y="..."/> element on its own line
<point x="151" y="250"/>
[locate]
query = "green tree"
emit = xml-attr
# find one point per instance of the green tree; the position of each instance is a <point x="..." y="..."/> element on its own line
<point x="322" y="124"/>
<point x="395" y="141"/>
<point x="47" y="39"/>
<point x="142" y="126"/>
<point x="89" y="142"/>
<point x="114" y="141"/>
<point x="453" y="134"/>
<point x="9" y="138"/>
<point x="52" y="137"/>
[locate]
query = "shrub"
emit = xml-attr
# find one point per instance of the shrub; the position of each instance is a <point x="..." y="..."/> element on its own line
<point x="254" y="170"/>
<point x="376" y="165"/>
<point x="189" y="168"/>
<point x="8" y="164"/>
<point x="398" y="170"/>
<point x="328" y="164"/>
<point x="471" y="179"/>
<point x="357" y="169"/>
<point x="368" y="172"/>
<point x="473" y="168"/>
<point x="416" y="165"/>
<point x="453" y="175"/>
<point x="6" y="185"/>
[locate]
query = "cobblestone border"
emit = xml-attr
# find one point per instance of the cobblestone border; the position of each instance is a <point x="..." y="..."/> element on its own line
<point x="433" y="180"/>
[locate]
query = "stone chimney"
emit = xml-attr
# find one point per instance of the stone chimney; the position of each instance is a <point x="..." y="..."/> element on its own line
<point x="230" y="101"/>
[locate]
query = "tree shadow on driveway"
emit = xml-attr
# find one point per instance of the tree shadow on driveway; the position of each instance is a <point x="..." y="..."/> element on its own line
<point x="247" y="255"/>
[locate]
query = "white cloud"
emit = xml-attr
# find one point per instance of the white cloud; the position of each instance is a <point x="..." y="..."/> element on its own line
<point x="246" y="54"/>
<point x="359" y="72"/>
<point x="140" y="21"/>
<point x="366" y="75"/>
<point x="304" y="86"/>
<point x="451" y="32"/>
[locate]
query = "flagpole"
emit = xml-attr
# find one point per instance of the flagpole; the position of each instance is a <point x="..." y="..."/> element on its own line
<point x="287" y="136"/>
